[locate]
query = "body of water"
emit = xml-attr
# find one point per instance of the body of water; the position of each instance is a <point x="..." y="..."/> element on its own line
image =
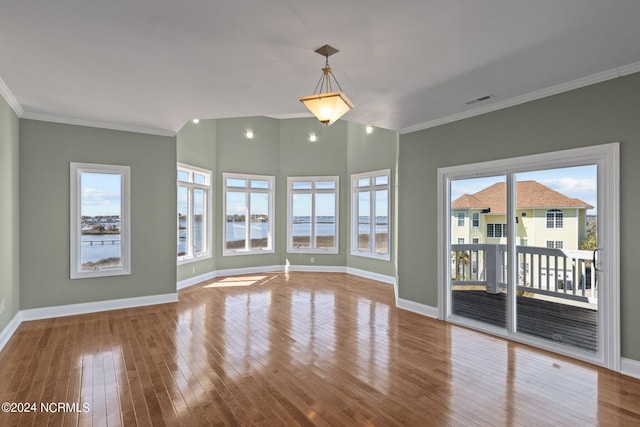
<point x="98" y="247"/>
<point x="301" y="227"/>
<point x="235" y="230"/>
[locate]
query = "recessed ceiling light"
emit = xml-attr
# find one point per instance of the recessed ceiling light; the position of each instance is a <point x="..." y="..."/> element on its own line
<point x="195" y="121"/>
<point x="249" y="134"/>
<point x="368" y="129"/>
<point x="313" y="137"/>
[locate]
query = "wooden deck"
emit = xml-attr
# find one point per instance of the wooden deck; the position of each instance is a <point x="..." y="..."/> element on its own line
<point x="568" y="324"/>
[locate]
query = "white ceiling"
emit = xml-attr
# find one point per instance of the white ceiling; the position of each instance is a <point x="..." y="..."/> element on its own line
<point x="406" y="64"/>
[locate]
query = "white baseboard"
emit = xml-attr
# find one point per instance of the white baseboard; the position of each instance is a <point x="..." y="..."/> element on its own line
<point x="8" y="330"/>
<point x="92" y="307"/>
<point x="373" y="276"/>
<point x="82" y="308"/>
<point x="316" y="268"/>
<point x="248" y="270"/>
<point x="195" y="280"/>
<point x="630" y="367"/>
<point x="425" y="310"/>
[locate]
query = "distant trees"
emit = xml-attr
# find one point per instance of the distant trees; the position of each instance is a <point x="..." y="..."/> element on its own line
<point x="591" y="242"/>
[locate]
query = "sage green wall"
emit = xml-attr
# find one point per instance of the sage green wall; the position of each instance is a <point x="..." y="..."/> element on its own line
<point x="282" y="148"/>
<point x="602" y="113"/>
<point x="260" y="156"/>
<point x="325" y="157"/>
<point x="196" y="146"/>
<point x="9" y="213"/>
<point x="45" y="152"/>
<point x="370" y="152"/>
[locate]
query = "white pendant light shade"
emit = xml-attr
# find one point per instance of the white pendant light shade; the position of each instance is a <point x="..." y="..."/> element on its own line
<point x="330" y="105"/>
<point x="327" y="107"/>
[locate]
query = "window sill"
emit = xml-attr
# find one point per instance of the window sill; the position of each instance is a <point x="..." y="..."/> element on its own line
<point x="239" y="252"/>
<point x="380" y="257"/>
<point x="189" y="260"/>
<point x="331" y="251"/>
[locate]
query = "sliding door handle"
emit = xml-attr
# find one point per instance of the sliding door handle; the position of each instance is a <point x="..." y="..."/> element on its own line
<point x="595" y="261"/>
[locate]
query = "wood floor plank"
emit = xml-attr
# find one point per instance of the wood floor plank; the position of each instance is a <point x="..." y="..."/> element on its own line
<point x="287" y="349"/>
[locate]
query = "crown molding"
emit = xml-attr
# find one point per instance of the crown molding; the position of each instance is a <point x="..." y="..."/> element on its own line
<point x="95" y="124"/>
<point x="290" y="116"/>
<point x="11" y="99"/>
<point x="531" y="96"/>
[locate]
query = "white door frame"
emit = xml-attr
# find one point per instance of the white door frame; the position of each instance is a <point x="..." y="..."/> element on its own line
<point x="607" y="158"/>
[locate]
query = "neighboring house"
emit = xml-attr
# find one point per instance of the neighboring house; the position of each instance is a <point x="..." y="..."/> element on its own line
<point x="545" y="217"/>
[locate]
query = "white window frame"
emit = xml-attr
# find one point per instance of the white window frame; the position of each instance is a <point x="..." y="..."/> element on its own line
<point x="558" y="216"/>
<point x="607" y="158"/>
<point x="354" y="213"/>
<point x="503" y="230"/>
<point x="313" y="191"/>
<point x="247" y="250"/>
<point x="460" y="216"/>
<point x="75" y="263"/>
<point x="475" y="219"/>
<point x="191" y="185"/>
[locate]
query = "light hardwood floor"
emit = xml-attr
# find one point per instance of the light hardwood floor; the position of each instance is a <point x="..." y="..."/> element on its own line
<point x="296" y="349"/>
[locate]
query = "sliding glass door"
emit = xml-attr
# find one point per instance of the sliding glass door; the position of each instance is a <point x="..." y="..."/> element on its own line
<point x="529" y="250"/>
<point x="478" y="238"/>
<point x="556" y="223"/>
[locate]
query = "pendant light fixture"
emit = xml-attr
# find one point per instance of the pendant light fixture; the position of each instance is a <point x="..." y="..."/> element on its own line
<point x="325" y="103"/>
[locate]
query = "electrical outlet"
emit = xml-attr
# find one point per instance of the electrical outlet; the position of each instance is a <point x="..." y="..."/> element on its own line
<point x="1" y="305"/>
<point x="313" y="260"/>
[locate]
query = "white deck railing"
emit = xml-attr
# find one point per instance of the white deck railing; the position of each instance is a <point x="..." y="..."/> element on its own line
<point x="560" y="273"/>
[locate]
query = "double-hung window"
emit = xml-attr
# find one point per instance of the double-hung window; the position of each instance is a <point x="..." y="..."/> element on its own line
<point x="370" y="223"/>
<point x="248" y="214"/>
<point x="312" y="221"/>
<point x="100" y="224"/>
<point x="475" y="219"/>
<point x="194" y="213"/>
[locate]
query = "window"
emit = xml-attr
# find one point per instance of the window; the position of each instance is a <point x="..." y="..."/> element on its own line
<point x="475" y="241"/>
<point x="370" y="214"/>
<point x="475" y="219"/>
<point x="100" y="231"/>
<point x="461" y="240"/>
<point x="555" y="218"/>
<point x="460" y="219"/>
<point x="194" y="213"/>
<point x="496" y="230"/>
<point x="248" y="208"/>
<point x="312" y="222"/>
<point x="558" y="244"/>
<point x="524" y="241"/>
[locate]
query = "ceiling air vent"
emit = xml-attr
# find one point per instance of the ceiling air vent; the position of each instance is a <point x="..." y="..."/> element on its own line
<point x="482" y="98"/>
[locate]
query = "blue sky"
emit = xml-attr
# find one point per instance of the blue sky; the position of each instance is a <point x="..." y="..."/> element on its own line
<point x="325" y="204"/>
<point x="580" y="182"/>
<point x="100" y="194"/>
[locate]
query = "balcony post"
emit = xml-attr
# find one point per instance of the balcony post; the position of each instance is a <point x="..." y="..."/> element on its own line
<point x="494" y="269"/>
